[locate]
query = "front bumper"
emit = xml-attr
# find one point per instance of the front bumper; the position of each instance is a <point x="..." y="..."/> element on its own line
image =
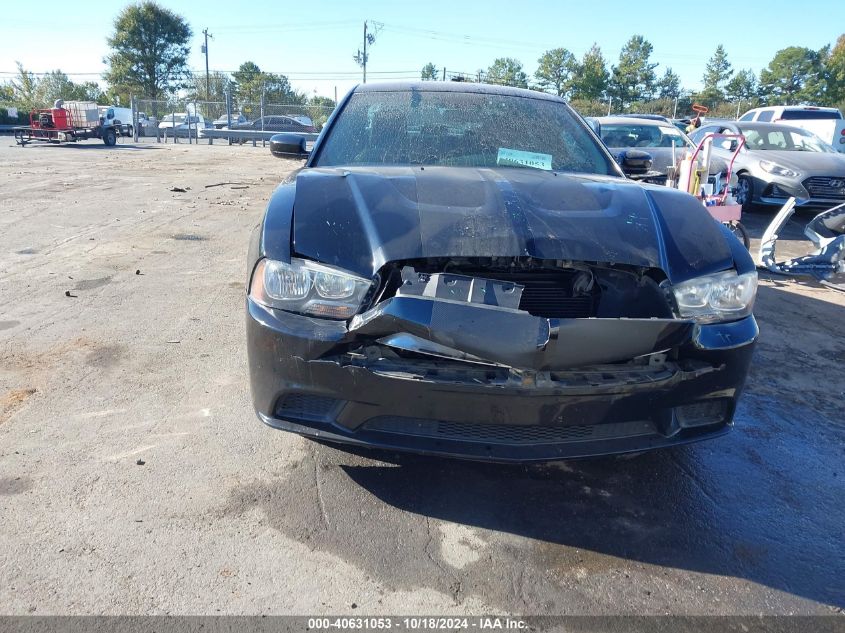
<point x="307" y="377"/>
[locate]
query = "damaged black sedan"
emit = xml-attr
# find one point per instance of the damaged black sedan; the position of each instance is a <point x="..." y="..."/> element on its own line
<point x="464" y="270"/>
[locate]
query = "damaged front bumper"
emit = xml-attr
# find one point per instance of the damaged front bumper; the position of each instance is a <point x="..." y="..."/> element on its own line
<point x="485" y="382"/>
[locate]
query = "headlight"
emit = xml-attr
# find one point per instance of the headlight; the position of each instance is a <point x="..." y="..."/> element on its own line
<point x="308" y="288"/>
<point x="720" y="297"/>
<point x="777" y="170"/>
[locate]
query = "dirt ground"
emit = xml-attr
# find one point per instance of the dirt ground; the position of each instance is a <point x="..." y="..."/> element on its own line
<point x="135" y="477"/>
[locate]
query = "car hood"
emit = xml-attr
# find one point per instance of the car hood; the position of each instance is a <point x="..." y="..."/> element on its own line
<point x="823" y="163"/>
<point x="360" y="218"/>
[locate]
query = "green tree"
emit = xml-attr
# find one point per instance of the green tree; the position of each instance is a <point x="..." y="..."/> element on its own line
<point x="149" y="51"/>
<point x="590" y="76"/>
<point x="633" y="78"/>
<point x="507" y="71"/>
<point x="7" y="93"/>
<point x="717" y="71"/>
<point x="57" y="85"/>
<point x="319" y="109"/>
<point x="835" y="72"/>
<point x="429" y="72"/>
<point x="24" y="86"/>
<point x="795" y="75"/>
<point x="742" y="87"/>
<point x="555" y="70"/>
<point x="669" y="85"/>
<point x="212" y="90"/>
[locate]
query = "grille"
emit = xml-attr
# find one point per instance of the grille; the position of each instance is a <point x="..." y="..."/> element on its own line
<point x="506" y="433"/>
<point x="826" y="187"/>
<point x="546" y="294"/>
<point x="307" y="407"/>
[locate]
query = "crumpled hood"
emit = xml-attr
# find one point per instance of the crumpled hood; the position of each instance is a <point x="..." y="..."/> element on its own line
<point x="360" y="218"/>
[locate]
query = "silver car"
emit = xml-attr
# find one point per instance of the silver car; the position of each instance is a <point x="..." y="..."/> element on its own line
<point x="653" y="136"/>
<point x="779" y="162"/>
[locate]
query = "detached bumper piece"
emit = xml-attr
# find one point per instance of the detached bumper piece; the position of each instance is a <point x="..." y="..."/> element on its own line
<point x="827" y="233"/>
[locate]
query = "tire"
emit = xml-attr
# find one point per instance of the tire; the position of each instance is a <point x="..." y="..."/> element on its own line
<point x="745" y="193"/>
<point x="109" y="137"/>
<point x="739" y="231"/>
<point x="130" y="131"/>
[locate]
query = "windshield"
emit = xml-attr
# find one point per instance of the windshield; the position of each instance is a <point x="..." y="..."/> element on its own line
<point x="785" y="139"/>
<point x="634" y="135"/>
<point x="461" y="129"/>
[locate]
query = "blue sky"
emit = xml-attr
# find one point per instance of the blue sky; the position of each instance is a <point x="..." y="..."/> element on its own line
<point x="314" y="42"/>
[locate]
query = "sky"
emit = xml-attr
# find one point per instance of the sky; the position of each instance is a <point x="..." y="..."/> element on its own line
<point x="313" y="43"/>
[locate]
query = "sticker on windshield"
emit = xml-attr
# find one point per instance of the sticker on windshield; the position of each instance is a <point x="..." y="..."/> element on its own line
<point x="516" y="158"/>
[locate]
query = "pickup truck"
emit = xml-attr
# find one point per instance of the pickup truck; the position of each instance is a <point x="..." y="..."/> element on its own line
<point x="826" y="123"/>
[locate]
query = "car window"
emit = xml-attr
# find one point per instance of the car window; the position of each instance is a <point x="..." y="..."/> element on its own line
<point x="790" y="140"/>
<point x="701" y="132"/>
<point x="766" y="115"/>
<point x="748" y="116"/>
<point x="637" y="135"/>
<point x="461" y="129"/>
<point x="791" y="115"/>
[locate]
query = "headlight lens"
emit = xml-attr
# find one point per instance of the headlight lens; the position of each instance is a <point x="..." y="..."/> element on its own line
<point x="777" y="170"/>
<point x="720" y="297"/>
<point x="308" y="288"/>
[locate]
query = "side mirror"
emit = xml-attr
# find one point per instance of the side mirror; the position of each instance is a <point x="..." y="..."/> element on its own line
<point x="635" y="162"/>
<point x="288" y="146"/>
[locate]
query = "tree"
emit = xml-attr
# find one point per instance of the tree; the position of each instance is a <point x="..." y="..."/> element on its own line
<point x="24" y="86"/>
<point x="794" y="75"/>
<point x="429" y="72"/>
<point x="507" y="71"/>
<point x="633" y="79"/>
<point x="149" y="51"/>
<point x="716" y="73"/>
<point x="669" y="86"/>
<point x="835" y="71"/>
<point x="554" y="71"/>
<point x="743" y="86"/>
<point x="212" y="90"/>
<point x="319" y="109"/>
<point x="251" y="82"/>
<point x="590" y="76"/>
<point x="57" y="85"/>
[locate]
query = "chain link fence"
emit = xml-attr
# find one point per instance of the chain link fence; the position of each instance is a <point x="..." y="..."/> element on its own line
<point x="187" y="120"/>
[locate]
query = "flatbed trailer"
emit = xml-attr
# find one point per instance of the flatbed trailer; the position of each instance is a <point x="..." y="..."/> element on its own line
<point x="67" y="123"/>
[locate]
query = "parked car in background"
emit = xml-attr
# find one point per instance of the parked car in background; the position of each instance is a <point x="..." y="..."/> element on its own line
<point x="275" y="123"/>
<point x="657" y="137"/>
<point x="826" y="123"/>
<point x="305" y="120"/>
<point x="468" y="272"/>
<point x="223" y="121"/>
<point x="147" y="125"/>
<point x="778" y="162"/>
<point x="180" y="124"/>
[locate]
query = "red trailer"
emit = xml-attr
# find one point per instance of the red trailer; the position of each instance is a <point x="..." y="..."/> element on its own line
<point x="67" y="122"/>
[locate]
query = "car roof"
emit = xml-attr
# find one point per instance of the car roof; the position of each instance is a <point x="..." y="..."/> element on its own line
<point x="761" y="126"/>
<point x="794" y="107"/>
<point x="454" y="86"/>
<point x="628" y="120"/>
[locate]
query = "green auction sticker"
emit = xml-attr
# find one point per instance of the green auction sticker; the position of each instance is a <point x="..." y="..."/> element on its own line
<point x="517" y="158"/>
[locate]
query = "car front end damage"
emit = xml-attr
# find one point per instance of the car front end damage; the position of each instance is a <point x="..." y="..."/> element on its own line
<point x="501" y="358"/>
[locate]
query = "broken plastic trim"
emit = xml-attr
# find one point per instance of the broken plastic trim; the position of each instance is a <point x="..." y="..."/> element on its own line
<point x="827" y="233"/>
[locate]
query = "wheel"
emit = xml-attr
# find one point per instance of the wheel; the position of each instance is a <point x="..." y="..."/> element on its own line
<point x="745" y="193"/>
<point x="109" y="137"/>
<point x="130" y="130"/>
<point x="739" y="231"/>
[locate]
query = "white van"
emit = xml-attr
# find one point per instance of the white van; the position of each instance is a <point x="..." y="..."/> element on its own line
<point x="121" y="118"/>
<point x="826" y="123"/>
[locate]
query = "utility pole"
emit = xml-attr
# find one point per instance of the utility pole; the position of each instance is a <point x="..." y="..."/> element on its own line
<point x="369" y="38"/>
<point x="205" y="50"/>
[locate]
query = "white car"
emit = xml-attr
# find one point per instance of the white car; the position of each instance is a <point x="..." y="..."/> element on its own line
<point x="826" y="123"/>
<point x="120" y="118"/>
<point x="180" y="124"/>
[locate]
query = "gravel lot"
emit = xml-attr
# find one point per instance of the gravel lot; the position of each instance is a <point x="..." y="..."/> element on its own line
<point x="135" y="478"/>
